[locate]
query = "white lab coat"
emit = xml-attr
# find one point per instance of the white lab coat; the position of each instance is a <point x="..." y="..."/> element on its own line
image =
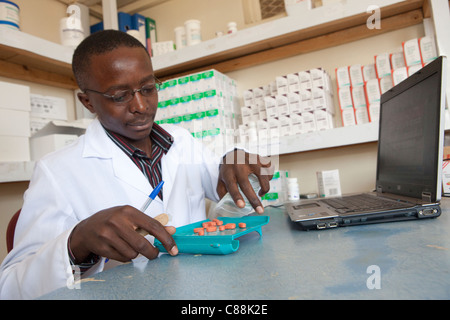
<point x="88" y="176"/>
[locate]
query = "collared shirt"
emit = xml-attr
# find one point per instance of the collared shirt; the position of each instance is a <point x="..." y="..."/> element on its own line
<point x="149" y="166"/>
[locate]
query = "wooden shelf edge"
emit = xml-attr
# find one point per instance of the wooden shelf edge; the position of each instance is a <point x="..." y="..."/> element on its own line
<point x="23" y="72"/>
<point x="307" y="142"/>
<point x="29" y="58"/>
<point x="305" y="46"/>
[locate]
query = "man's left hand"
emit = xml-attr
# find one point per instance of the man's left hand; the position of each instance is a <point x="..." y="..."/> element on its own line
<point x="236" y="167"/>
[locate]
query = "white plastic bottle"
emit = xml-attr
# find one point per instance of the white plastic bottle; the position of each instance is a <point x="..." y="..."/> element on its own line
<point x="226" y="206"/>
<point x="193" y="32"/>
<point x="180" y="37"/>
<point x="232" y="27"/>
<point x="293" y="189"/>
<point x="71" y="30"/>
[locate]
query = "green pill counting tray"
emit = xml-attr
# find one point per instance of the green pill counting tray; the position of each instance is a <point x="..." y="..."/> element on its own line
<point x="215" y="242"/>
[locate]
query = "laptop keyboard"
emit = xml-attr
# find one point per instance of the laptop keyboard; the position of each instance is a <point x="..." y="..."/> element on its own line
<point x="363" y="202"/>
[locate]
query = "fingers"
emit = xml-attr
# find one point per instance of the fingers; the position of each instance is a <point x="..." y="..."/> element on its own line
<point x="111" y="233"/>
<point x="132" y="243"/>
<point x="234" y="172"/>
<point x="162" y="218"/>
<point x="233" y="189"/>
<point x="247" y="190"/>
<point x="163" y="234"/>
<point x="221" y="189"/>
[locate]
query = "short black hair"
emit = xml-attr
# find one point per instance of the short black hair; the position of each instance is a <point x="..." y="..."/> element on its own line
<point x="98" y="43"/>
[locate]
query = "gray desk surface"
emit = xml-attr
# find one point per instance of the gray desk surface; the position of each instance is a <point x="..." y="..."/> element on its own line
<point x="413" y="260"/>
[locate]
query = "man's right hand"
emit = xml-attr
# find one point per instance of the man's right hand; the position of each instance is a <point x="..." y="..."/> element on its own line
<point x="111" y="233"/>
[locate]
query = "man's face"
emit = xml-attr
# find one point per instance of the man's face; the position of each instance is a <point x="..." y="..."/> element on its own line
<point x="110" y="73"/>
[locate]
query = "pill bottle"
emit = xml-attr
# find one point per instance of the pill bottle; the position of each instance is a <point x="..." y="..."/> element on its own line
<point x="180" y="37"/>
<point x="136" y="34"/>
<point x="293" y="189"/>
<point x="71" y="33"/>
<point x="193" y="32"/>
<point x="70" y="28"/>
<point x="232" y="27"/>
<point x="9" y="15"/>
<point x="226" y="206"/>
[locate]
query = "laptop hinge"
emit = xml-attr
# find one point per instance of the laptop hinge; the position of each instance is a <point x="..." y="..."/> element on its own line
<point x="426" y="196"/>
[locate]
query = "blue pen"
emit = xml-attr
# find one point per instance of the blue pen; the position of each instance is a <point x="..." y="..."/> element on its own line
<point x="152" y="196"/>
<point x="144" y="207"/>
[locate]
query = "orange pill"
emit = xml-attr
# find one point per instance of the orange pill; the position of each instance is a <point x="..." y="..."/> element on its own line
<point x="211" y="229"/>
<point x="242" y="225"/>
<point x="201" y="232"/>
<point x="230" y="226"/>
<point x="205" y="224"/>
<point x="219" y="222"/>
<point x="197" y="230"/>
<point x="221" y="228"/>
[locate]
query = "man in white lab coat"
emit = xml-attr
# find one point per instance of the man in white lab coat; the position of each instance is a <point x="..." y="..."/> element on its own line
<point x="81" y="207"/>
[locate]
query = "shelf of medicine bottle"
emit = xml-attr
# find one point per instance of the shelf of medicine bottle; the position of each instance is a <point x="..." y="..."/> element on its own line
<point x="327" y="139"/>
<point x="317" y="140"/>
<point x="290" y="36"/>
<point x="338" y="137"/>
<point x="30" y="58"/>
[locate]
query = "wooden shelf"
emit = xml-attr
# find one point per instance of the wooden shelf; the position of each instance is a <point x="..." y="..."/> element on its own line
<point x="21" y="171"/>
<point x="289" y="36"/>
<point x="29" y="58"/>
<point x="26" y="57"/>
<point x="332" y="138"/>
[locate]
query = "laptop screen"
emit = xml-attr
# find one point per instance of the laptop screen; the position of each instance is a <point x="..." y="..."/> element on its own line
<point x="411" y="135"/>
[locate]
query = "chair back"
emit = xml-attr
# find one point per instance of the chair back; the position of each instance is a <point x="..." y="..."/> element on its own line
<point x="10" y="231"/>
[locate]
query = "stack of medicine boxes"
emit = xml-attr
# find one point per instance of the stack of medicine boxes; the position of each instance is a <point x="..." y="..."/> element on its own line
<point x="292" y="104"/>
<point x="205" y="104"/>
<point x="352" y="84"/>
<point x="14" y="122"/>
<point x="45" y="109"/>
<point x="360" y="87"/>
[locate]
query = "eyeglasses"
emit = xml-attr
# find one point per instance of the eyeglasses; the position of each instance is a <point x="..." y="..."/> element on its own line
<point x="126" y="96"/>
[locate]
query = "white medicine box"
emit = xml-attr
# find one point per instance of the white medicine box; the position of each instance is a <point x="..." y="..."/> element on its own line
<point x="329" y="183"/>
<point x="48" y="107"/>
<point x="41" y="146"/>
<point x="13" y="148"/>
<point x="14" y="123"/>
<point x="14" y="96"/>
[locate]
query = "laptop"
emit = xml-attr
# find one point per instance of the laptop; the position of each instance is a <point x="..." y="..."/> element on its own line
<point x="409" y="161"/>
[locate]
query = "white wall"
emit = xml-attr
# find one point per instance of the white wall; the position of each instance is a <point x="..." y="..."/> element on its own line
<point x="214" y="16"/>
